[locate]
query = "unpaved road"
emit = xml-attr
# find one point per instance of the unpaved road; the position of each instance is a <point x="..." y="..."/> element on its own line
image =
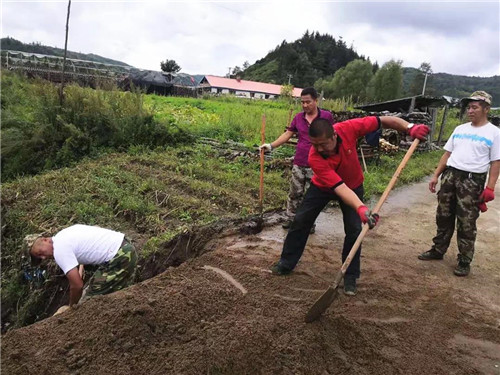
<point x="224" y="313"/>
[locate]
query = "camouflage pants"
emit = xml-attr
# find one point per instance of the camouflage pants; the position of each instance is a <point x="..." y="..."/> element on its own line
<point x="301" y="179"/>
<point x="116" y="274"/>
<point x="458" y="200"/>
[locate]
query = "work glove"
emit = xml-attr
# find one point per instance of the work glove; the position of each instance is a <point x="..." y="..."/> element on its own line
<point x="482" y="207"/>
<point x="419" y="131"/>
<point x="266" y="147"/>
<point x="367" y="217"/>
<point x="487" y="195"/>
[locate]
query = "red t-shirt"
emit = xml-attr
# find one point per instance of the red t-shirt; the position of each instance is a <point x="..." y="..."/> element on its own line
<point x="344" y="165"/>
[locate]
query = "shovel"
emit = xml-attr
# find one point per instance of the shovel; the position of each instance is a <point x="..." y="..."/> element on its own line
<point x="260" y="219"/>
<point x="329" y="296"/>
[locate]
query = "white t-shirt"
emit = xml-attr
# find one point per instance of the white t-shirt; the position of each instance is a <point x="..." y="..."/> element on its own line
<point x="84" y="244"/>
<point x="473" y="147"/>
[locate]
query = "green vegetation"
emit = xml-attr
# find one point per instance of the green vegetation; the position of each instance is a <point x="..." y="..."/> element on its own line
<point x="309" y="58"/>
<point x="38" y="134"/>
<point x="453" y="85"/>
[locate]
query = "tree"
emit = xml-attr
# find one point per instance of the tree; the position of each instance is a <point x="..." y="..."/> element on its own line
<point x="286" y="92"/>
<point x="417" y="84"/>
<point x="236" y="70"/>
<point x="386" y="83"/>
<point x="352" y="80"/>
<point x="169" y="66"/>
<point x="246" y="64"/>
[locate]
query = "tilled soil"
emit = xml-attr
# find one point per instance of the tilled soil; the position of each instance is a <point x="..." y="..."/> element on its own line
<point x="224" y="313"/>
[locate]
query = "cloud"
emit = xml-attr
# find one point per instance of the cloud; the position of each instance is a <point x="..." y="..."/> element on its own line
<point x="208" y="37"/>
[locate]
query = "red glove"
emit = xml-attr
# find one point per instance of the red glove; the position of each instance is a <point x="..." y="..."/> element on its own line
<point x="367" y="217"/>
<point x="487" y="195"/>
<point x="483" y="207"/>
<point x="419" y="131"/>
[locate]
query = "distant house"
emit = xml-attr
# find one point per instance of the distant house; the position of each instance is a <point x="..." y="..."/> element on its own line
<point x="243" y="88"/>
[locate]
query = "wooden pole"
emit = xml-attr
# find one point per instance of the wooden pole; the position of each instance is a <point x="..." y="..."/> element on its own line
<point x="443" y="124"/>
<point x="61" y="92"/>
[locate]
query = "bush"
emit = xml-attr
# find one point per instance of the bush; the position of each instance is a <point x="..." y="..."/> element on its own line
<point x="37" y="133"/>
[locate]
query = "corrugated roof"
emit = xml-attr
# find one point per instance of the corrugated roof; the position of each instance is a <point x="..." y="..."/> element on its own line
<point x="403" y="104"/>
<point x="251" y="86"/>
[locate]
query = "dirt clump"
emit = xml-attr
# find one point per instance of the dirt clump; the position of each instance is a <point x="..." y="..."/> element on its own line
<point x="409" y="317"/>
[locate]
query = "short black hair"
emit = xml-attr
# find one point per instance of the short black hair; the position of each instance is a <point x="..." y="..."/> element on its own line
<point x="321" y="127"/>
<point x="310" y="91"/>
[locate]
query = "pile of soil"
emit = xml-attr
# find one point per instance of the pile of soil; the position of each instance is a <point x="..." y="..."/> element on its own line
<point x="225" y="313"/>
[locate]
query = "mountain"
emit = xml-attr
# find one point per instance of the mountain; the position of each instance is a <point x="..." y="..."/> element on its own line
<point x="16" y="45"/>
<point x="317" y="56"/>
<point x="311" y="57"/>
<point x="454" y="85"/>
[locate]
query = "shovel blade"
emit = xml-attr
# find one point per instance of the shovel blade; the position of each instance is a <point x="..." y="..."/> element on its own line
<point x="322" y="304"/>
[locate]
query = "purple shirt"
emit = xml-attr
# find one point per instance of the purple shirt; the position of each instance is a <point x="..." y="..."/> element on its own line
<point x="300" y="126"/>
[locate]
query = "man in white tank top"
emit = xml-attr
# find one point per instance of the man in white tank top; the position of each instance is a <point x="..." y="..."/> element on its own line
<point x="84" y="244"/>
<point x="472" y="150"/>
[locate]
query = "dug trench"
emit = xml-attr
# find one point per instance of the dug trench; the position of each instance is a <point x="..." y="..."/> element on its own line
<point x="223" y="312"/>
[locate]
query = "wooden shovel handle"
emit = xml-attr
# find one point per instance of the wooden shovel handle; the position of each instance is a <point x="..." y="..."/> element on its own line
<point x="261" y="187"/>
<point x="379" y="204"/>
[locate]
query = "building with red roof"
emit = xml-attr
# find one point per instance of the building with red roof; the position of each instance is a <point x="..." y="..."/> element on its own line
<point x="243" y="88"/>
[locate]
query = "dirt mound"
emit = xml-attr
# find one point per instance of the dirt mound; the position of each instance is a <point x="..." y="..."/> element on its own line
<point x="224" y="313"/>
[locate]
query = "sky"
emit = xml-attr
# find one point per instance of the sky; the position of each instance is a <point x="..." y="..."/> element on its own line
<point x="209" y="37"/>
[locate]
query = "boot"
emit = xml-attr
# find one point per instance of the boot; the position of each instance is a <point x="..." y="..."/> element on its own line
<point x="462" y="268"/>
<point x="431" y="255"/>
<point x="350" y="285"/>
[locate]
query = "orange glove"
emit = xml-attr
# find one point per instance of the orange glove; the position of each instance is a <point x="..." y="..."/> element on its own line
<point x="487" y="195"/>
<point x="483" y="207"/>
<point x="419" y="131"/>
<point x="367" y="217"/>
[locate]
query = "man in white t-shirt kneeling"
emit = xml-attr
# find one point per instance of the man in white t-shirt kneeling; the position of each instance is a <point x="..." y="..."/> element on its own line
<point x="85" y="245"/>
<point x="472" y="150"/>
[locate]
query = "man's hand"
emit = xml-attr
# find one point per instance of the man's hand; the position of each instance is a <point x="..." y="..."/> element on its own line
<point x="432" y="184"/>
<point x="367" y="217"/>
<point x="487" y="195"/>
<point x="419" y="131"/>
<point x="61" y="310"/>
<point x="266" y="147"/>
<point x="482" y="207"/>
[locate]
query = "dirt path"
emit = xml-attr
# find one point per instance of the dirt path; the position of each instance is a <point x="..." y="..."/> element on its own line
<point x="224" y="313"/>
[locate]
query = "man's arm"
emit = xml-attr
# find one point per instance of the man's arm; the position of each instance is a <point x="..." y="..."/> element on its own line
<point x="494" y="173"/>
<point x="283" y="138"/>
<point x="348" y="196"/>
<point x="396" y="123"/>
<point x="439" y="169"/>
<point x="75" y="286"/>
<point x="419" y="131"/>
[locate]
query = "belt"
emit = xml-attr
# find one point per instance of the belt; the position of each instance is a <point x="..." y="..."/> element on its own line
<point x="467" y="174"/>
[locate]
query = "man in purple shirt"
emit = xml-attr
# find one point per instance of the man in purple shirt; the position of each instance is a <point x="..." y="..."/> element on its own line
<point x="301" y="172"/>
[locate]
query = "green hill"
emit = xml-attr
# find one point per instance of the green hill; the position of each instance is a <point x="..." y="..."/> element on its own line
<point x="311" y="57"/>
<point x="454" y="85"/>
<point x="317" y="56"/>
<point x="16" y="45"/>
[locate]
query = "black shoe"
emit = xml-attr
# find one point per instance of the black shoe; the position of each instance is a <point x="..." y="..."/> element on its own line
<point x="286" y="224"/>
<point x="280" y="270"/>
<point x="350" y="285"/>
<point x="431" y="255"/>
<point x="462" y="269"/>
<point x="313" y="229"/>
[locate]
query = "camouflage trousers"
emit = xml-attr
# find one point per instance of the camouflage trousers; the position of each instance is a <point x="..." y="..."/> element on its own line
<point x="301" y="179"/>
<point x="116" y="274"/>
<point x="458" y="200"/>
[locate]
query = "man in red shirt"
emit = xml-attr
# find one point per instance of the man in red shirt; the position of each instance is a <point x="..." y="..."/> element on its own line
<point x="337" y="176"/>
